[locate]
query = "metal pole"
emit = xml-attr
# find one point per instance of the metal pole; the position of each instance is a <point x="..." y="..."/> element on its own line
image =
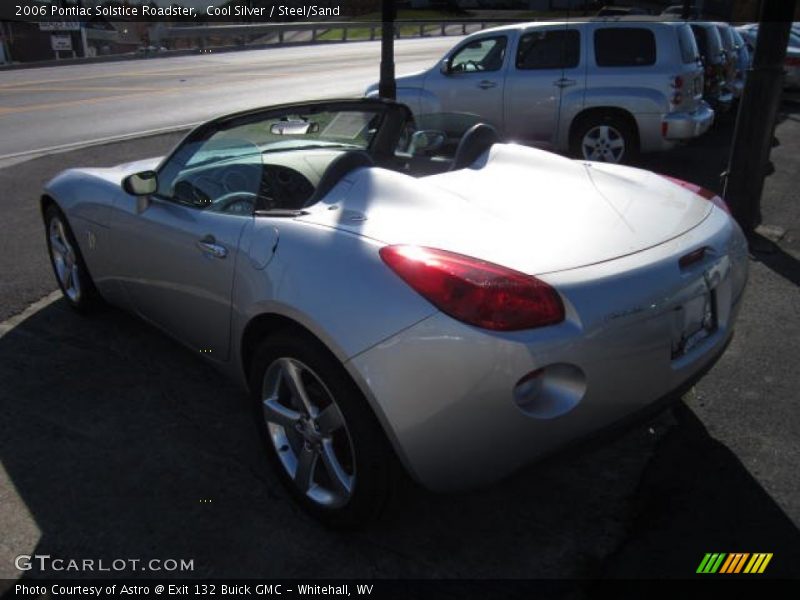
<point x="758" y="109"/>
<point x="387" y="88"/>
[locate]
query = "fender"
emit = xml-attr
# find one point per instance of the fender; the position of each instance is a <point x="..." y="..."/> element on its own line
<point x="642" y="104"/>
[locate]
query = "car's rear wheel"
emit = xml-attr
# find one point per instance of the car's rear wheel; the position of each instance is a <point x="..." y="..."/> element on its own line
<point x="68" y="265"/>
<point x="604" y="138"/>
<point x="320" y="435"/>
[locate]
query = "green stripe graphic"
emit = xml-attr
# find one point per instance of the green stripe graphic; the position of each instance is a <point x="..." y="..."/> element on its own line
<point x="711" y="562"/>
<point x="703" y="563"/>
<point x="718" y="563"/>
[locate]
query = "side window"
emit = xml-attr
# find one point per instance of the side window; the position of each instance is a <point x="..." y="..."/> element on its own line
<point x="624" y="47"/>
<point x="486" y="54"/>
<point x="700" y="38"/>
<point x="221" y="174"/>
<point x="549" y="49"/>
<point x="686" y="41"/>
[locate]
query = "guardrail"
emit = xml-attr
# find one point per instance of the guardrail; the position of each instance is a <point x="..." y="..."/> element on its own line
<point x="244" y="32"/>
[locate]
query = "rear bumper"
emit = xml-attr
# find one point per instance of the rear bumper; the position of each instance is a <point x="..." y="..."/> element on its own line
<point x="685" y="126"/>
<point x="723" y="102"/>
<point x="792" y="78"/>
<point x="449" y="395"/>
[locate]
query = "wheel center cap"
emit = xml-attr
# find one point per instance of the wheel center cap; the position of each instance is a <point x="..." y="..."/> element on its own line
<point x="309" y="430"/>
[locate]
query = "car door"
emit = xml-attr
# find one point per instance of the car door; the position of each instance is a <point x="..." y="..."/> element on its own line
<point x="471" y="79"/>
<point x="177" y="249"/>
<point x="547" y="66"/>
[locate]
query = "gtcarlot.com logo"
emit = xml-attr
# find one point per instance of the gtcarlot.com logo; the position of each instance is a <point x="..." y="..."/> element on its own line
<point x="735" y="562"/>
<point x="45" y="562"/>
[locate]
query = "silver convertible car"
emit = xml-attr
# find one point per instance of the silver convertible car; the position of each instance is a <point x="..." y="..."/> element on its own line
<point x="390" y="309"/>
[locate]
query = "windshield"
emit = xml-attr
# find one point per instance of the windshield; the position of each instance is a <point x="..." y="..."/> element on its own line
<point x="296" y="131"/>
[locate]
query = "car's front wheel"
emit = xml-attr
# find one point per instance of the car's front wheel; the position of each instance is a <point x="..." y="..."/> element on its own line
<point x="68" y="265"/>
<point x="320" y="435"/>
<point x="604" y="138"/>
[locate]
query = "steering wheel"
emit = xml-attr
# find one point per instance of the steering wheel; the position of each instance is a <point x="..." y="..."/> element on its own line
<point x="226" y="201"/>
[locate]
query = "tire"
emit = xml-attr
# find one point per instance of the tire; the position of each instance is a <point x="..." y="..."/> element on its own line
<point x="67" y="261"/>
<point x="350" y="469"/>
<point x="605" y="138"/>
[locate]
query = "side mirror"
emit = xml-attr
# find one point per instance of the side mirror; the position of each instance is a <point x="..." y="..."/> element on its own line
<point x="426" y="141"/>
<point x="445" y="66"/>
<point x="141" y="184"/>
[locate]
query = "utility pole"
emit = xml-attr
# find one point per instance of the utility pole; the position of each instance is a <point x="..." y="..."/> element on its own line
<point x="758" y="110"/>
<point x="387" y="87"/>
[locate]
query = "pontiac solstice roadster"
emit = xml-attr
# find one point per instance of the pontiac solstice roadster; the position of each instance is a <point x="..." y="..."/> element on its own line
<point x="389" y="308"/>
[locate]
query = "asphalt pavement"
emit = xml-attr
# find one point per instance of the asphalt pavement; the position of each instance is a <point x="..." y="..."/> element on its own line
<point x="116" y="442"/>
<point x="53" y="107"/>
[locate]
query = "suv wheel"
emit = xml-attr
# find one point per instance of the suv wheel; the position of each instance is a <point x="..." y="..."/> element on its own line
<point x="604" y="138"/>
<point x="319" y="433"/>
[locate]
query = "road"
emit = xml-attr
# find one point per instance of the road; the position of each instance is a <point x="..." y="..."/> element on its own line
<point x="58" y="106"/>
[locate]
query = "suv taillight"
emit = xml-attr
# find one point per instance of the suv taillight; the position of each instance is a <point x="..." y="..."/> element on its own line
<point x="474" y="291"/>
<point x="792" y="61"/>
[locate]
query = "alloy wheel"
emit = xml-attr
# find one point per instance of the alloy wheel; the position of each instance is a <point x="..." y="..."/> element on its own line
<point x="65" y="259"/>
<point x="308" y="432"/>
<point x="603" y="143"/>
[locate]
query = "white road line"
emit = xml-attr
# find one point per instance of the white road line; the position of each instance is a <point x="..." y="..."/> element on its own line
<point x="10" y="323"/>
<point x="95" y="142"/>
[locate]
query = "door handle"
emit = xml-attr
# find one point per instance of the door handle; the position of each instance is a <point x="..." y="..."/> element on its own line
<point x="486" y="84"/>
<point x="564" y="82"/>
<point x="210" y="246"/>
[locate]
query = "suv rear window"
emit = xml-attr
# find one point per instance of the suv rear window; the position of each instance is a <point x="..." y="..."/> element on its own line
<point x="726" y="36"/>
<point x="549" y="49"/>
<point x="686" y="41"/>
<point x="624" y="47"/>
<point x="708" y="41"/>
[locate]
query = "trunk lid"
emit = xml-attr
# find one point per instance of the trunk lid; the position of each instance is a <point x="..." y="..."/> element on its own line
<point x="524" y="208"/>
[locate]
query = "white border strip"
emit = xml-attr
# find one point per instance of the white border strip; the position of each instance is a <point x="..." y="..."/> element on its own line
<point x="10" y="323"/>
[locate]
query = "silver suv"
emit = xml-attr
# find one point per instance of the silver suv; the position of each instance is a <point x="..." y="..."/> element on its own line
<point x="601" y="89"/>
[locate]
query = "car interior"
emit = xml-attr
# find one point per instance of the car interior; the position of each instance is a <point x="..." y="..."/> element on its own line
<point x="226" y="171"/>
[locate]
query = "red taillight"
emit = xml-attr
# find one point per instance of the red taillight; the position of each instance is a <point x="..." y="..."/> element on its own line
<point x="701" y="191"/>
<point x="474" y="291"/>
<point x="792" y="61"/>
<point x="677" y="82"/>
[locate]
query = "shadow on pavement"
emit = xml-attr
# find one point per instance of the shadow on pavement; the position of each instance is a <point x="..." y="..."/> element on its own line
<point x="778" y="261"/>
<point x="697" y="497"/>
<point x="120" y="444"/>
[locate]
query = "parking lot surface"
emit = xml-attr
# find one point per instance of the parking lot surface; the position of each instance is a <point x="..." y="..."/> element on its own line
<point x="116" y="442"/>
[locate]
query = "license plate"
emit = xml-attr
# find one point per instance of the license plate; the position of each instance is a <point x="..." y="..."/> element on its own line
<point x="694" y="321"/>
